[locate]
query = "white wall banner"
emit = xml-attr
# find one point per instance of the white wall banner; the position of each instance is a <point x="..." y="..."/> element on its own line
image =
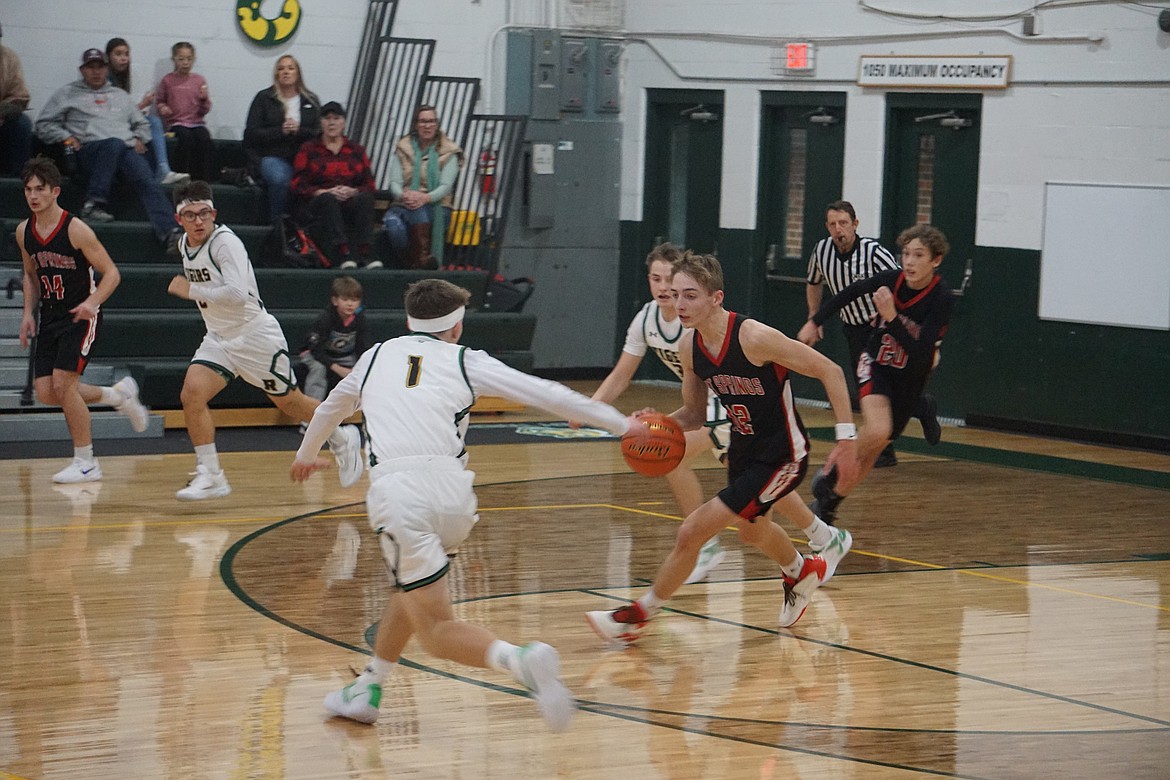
<point x="934" y="72"/>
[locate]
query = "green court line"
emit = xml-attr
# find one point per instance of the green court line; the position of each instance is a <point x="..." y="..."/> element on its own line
<point x="1066" y="467"/>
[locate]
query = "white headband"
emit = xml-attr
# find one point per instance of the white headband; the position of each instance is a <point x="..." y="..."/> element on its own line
<point x="189" y="202"/>
<point x="438" y="324"/>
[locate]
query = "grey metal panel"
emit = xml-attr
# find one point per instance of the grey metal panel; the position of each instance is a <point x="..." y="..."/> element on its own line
<point x="546" y="76"/>
<point x="575" y="59"/>
<point x="607" y="77"/>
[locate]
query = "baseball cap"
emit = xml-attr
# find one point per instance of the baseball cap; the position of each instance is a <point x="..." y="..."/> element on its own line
<point x="332" y="107"/>
<point x="93" y="55"/>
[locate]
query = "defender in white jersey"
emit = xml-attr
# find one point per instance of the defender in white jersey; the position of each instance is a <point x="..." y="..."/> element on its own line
<point x="242" y="339"/>
<point x="415" y="392"/>
<point x="657" y="327"/>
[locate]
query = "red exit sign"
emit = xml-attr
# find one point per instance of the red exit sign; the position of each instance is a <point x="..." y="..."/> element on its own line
<point x="798" y="57"/>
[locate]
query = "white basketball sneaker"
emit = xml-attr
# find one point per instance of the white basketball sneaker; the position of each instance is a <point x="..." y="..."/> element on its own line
<point x="79" y="471"/>
<point x="834" y="551"/>
<point x="357" y="701"/>
<point x="540" y="672"/>
<point x="710" y="556"/>
<point x="205" y="484"/>
<point x="130" y="406"/>
<point x="349" y="456"/>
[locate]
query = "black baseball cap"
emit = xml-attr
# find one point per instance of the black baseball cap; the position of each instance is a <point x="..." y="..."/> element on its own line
<point x="93" y="55"/>
<point x="332" y="107"/>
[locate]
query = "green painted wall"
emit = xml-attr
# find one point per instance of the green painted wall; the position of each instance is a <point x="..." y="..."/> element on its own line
<point x="998" y="360"/>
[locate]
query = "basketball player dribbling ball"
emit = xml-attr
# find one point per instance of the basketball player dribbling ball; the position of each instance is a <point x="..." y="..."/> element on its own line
<point x="657" y="328"/>
<point x="746" y="363"/>
<point x="243" y="339"/>
<point x="60" y="255"/>
<point x="415" y="392"/>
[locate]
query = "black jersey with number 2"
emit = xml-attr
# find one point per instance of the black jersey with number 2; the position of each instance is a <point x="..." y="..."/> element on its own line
<point x="65" y="275"/>
<point x="758" y="399"/>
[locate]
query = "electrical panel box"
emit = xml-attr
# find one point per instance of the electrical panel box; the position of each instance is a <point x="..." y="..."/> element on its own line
<point x="546" y="75"/>
<point x="541" y="191"/>
<point x="607" y="76"/>
<point x="574" y="62"/>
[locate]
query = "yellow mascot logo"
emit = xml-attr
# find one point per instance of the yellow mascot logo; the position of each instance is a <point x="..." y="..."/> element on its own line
<point x="268" y="32"/>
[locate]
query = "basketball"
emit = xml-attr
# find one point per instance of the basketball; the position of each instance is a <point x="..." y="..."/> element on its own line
<point x="656" y="447"/>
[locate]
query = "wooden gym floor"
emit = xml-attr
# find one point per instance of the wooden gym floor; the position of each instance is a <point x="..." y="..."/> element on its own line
<point x="1005" y="613"/>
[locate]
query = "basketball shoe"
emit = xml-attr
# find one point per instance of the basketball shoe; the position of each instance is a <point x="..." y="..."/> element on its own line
<point x="79" y="470"/>
<point x="130" y="406"/>
<point x="205" y="484"/>
<point x="349" y="455"/>
<point x="624" y="624"/>
<point x="928" y="416"/>
<point x="825" y="498"/>
<point x="798" y="592"/>
<point x="834" y="551"/>
<point x="710" y="556"/>
<point x="540" y="672"/>
<point x="357" y="701"/>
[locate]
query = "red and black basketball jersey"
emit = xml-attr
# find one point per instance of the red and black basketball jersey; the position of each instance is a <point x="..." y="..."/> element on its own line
<point x="757" y="399"/>
<point x="65" y="274"/>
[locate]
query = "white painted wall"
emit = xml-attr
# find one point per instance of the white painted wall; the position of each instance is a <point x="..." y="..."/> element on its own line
<point x="1089" y="101"/>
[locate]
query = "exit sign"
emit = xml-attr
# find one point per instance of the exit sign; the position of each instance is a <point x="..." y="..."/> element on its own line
<point x="798" y="58"/>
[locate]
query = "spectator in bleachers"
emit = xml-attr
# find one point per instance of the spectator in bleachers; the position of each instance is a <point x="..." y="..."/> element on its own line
<point x="101" y="125"/>
<point x="334" y="192"/>
<point x="15" y="127"/>
<point x="336" y="340"/>
<point x="280" y="119"/>
<point x="118" y="57"/>
<point x="183" y="100"/>
<point x="422" y="173"/>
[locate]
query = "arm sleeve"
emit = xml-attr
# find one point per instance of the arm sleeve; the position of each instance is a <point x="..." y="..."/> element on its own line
<point x="362" y="343"/>
<point x="853" y="291"/>
<point x="489" y="376"/>
<point x="314" y="336"/>
<point x="255" y="131"/>
<point x="303" y="181"/>
<point x="814" y="275"/>
<point x="366" y="181"/>
<point x="232" y="259"/>
<point x="50" y="125"/>
<point x="396" y="185"/>
<point x="203" y="105"/>
<point x="920" y="340"/>
<point x="447" y="176"/>
<point x="884" y="260"/>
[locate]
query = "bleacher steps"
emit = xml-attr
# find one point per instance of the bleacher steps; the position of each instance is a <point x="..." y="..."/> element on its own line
<point x="49" y="425"/>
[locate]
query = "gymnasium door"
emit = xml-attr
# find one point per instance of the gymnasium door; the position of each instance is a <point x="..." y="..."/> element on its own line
<point x="932" y="170"/>
<point x="684" y="163"/>
<point x="802" y="152"/>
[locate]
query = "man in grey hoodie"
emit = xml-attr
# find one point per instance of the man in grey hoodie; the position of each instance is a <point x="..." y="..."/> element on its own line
<point x="100" y="124"/>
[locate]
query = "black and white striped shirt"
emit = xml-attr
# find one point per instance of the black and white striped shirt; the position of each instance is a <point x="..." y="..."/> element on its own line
<point x="869" y="257"/>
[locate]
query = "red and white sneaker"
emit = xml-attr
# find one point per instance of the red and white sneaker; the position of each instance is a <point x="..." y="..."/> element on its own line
<point x="798" y="592"/>
<point x="624" y="624"/>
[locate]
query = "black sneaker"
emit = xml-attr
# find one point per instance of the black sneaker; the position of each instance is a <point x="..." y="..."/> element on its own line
<point x="928" y="416"/>
<point x="825" y="497"/>
<point x="886" y="459"/>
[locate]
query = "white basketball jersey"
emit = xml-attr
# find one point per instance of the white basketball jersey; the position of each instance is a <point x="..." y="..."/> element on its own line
<point x="223" y="283"/>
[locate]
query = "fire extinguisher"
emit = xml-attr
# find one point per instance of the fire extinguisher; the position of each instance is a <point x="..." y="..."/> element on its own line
<point x="487" y="172"/>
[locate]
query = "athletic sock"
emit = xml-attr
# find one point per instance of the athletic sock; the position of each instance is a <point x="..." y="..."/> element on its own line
<point x="84" y="454"/>
<point x="336" y="439"/>
<point x="110" y="397"/>
<point x="818" y="532"/>
<point x="651" y="603"/>
<point x="503" y="657"/>
<point x="377" y="670"/>
<point x="793" y="569"/>
<point x="206" y="455"/>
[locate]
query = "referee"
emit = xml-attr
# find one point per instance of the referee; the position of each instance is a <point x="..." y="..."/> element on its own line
<point x="838" y="261"/>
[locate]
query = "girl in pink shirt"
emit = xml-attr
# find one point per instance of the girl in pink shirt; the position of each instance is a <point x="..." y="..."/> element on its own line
<point x="183" y="101"/>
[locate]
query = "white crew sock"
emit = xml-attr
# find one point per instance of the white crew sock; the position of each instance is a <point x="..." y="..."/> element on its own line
<point x="819" y="532"/>
<point x="793" y="569"/>
<point x="206" y="455"/>
<point x="84" y="454"/>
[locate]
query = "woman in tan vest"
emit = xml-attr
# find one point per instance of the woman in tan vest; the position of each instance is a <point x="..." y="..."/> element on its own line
<point x="422" y="174"/>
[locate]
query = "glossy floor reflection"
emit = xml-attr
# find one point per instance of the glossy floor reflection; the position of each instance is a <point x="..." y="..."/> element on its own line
<point x="1004" y="615"/>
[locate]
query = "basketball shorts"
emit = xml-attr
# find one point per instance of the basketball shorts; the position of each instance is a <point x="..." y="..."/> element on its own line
<point x="258" y="355"/>
<point x="753" y="486"/>
<point x="901" y="388"/>
<point x="718" y="428"/>
<point x="64" y="344"/>
<point x="422" y="508"/>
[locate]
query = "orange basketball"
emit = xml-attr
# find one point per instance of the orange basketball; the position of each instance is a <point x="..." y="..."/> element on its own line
<point x="656" y="447"/>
